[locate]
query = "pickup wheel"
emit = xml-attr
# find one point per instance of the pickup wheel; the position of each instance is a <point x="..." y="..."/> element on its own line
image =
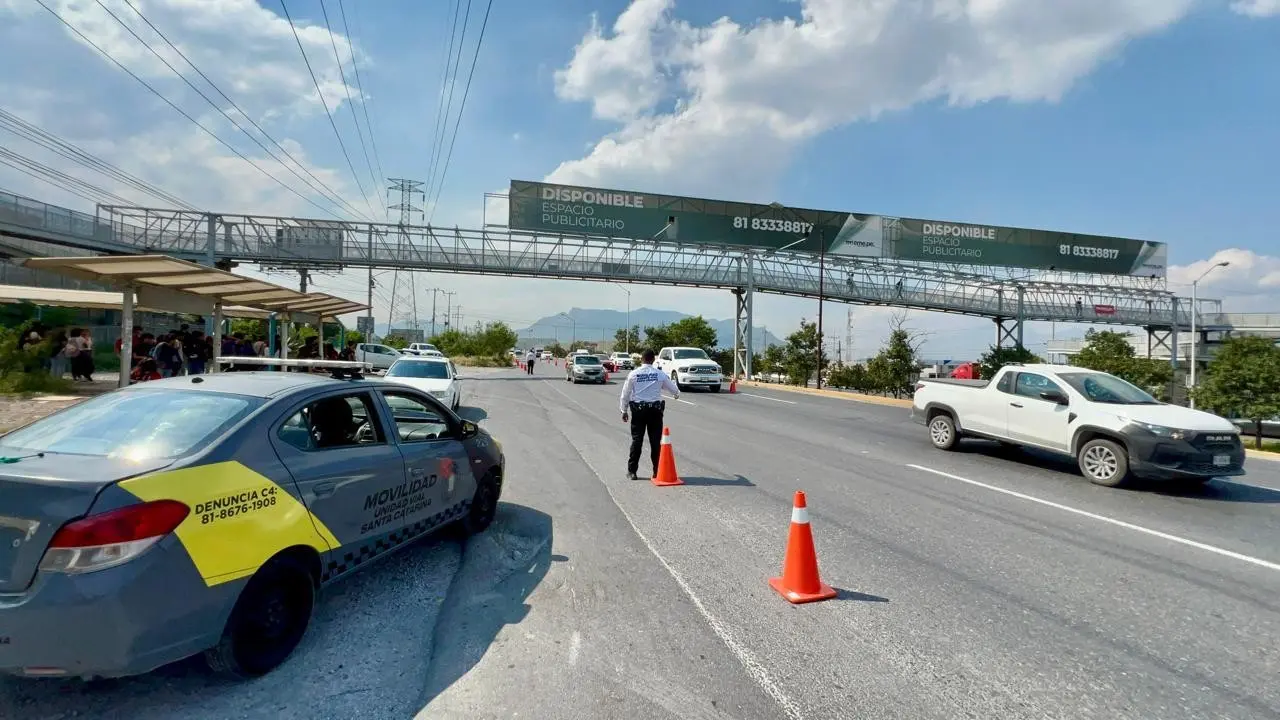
<point x="942" y="432"/>
<point x="675" y="377"/>
<point x="1104" y="462"/>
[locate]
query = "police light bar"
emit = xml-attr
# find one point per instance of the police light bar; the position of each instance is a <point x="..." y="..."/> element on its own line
<point x="338" y="367"/>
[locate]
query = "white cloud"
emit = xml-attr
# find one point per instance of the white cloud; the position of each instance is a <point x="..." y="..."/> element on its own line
<point x="249" y="51"/>
<point x="744" y="96"/>
<point x="1249" y="283"/>
<point x="1257" y="8"/>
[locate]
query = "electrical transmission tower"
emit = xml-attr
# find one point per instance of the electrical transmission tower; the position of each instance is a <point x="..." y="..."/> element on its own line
<point x="404" y="294"/>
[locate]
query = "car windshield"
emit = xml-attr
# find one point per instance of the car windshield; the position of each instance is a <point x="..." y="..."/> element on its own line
<point x="133" y="425"/>
<point x="689" y="354"/>
<point x="1109" y="389"/>
<point x="419" y="369"/>
<point x="586" y="360"/>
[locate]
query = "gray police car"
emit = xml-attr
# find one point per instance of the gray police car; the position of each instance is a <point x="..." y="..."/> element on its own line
<point x="202" y="514"/>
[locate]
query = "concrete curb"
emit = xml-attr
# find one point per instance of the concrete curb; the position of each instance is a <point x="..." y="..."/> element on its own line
<point x="1262" y="454"/>
<point x="852" y="397"/>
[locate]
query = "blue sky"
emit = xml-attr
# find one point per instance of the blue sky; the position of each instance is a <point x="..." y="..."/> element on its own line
<point x="1143" y="118"/>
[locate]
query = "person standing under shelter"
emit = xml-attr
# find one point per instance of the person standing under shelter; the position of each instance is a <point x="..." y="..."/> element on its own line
<point x="642" y="404"/>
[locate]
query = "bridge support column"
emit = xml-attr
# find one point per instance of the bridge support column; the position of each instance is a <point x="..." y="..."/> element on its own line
<point x="741" y="332"/>
<point x="1173" y="337"/>
<point x="211" y="259"/>
<point x="1157" y="339"/>
<point x="1008" y="332"/>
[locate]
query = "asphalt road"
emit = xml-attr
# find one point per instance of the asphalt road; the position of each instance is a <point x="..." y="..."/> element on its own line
<point x="981" y="583"/>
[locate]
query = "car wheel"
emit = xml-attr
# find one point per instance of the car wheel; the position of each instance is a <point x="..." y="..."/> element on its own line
<point x="715" y="388"/>
<point x="942" y="432"/>
<point x="1104" y="462"/>
<point x="676" y="379"/>
<point x="484" y="505"/>
<point x="267" y="623"/>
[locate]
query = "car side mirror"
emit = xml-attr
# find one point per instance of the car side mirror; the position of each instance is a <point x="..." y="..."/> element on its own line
<point x="1054" y="396"/>
<point x="469" y="429"/>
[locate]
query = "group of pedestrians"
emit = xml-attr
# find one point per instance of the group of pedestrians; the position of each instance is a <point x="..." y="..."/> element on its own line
<point x="68" y="350"/>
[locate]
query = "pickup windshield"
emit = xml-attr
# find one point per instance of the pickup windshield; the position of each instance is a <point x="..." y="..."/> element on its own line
<point x="1109" y="389"/>
<point x="688" y="354"/>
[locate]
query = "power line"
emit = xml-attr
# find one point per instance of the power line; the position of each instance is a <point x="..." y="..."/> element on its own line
<point x="461" y="109"/>
<point x="364" y="101"/>
<point x="49" y="141"/>
<point x="325" y="103"/>
<point x="179" y="110"/>
<point x="355" y="118"/>
<point x="442" y="119"/>
<point x="40" y="171"/>
<point x="328" y="193"/>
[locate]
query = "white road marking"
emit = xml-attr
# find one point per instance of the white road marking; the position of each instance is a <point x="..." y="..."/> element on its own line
<point x="686" y="402"/>
<point x="766" y="397"/>
<point x="753" y="667"/>
<point x="575" y="645"/>
<point x="1111" y="521"/>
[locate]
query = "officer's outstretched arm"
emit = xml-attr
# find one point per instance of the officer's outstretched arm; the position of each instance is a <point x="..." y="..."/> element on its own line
<point x="670" y="385"/>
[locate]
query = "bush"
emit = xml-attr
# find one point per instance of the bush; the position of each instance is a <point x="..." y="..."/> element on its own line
<point x="481" y="361"/>
<point x="22" y="370"/>
<point x="493" y="341"/>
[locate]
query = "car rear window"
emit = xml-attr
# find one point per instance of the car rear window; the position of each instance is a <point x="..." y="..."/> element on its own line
<point x="134" y="425"/>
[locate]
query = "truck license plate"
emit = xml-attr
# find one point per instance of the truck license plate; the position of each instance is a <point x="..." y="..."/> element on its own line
<point x="1221" y="460"/>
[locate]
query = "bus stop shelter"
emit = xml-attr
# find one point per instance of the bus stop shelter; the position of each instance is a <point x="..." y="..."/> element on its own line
<point x="160" y="281"/>
<point x="98" y="300"/>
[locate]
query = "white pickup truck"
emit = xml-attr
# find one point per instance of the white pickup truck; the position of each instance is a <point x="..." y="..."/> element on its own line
<point x="690" y="367"/>
<point x="1112" y="428"/>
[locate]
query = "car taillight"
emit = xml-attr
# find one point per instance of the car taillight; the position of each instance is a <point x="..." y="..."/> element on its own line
<point x="111" y="538"/>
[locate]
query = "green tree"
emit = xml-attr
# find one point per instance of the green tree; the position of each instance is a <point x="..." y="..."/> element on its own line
<point x="1110" y="352"/>
<point x="772" y="360"/>
<point x="579" y="345"/>
<point x="353" y="336"/>
<point x="800" y="357"/>
<point x="879" y="374"/>
<point x="251" y="328"/>
<point x="723" y="358"/>
<point x="396" y="341"/>
<point x="851" y="377"/>
<point x="493" y="340"/>
<point x="557" y="349"/>
<point x="624" y="338"/>
<point x="686" y="332"/>
<point x="996" y="358"/>
<point x="899" y="364"/>
<point x="1243" y="380"/>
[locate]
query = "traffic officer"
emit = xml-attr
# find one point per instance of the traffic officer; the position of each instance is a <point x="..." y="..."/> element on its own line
<point x="529" y="360"/>
<point x="642" y="403"/>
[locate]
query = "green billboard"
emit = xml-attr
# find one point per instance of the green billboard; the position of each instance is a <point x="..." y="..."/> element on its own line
<point x="549" y="208"/>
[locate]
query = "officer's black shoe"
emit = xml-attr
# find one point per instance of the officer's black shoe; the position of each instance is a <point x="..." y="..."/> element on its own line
<point x="632" y="476"/>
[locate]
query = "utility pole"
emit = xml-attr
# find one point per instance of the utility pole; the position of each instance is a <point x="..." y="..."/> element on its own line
<point x="434" y="293"/>
<point x="822" y="276"/>
<point x="303" y="277"/>
<point x="448" y="308"/>
<point x="368" y="332"/>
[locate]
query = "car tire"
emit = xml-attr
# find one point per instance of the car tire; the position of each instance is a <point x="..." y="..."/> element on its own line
<point x="676" y="379"/>
<point x="1104" y="462"/>
<point x="942" y="432"/>
<point x="715" y="388"/>
<point x="268" y="621"/>
<point x="484" y="506"/>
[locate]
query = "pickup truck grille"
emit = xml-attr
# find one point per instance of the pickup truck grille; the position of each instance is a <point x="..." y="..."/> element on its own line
<point x="704" y="369"/>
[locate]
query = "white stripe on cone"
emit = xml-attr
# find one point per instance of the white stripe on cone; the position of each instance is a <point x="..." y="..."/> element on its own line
<point x="800" y="515"/>
<point x="666" y="439"/>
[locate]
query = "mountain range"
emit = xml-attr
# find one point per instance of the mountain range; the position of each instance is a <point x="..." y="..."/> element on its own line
<point x="597" y="324"/>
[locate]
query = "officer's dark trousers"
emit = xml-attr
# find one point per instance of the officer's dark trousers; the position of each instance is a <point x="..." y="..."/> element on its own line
<point x="529" y="367"/>
<point x="645" y="421"/>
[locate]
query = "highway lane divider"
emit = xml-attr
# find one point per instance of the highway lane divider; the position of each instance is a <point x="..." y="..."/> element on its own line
<point x="853" y="397"/>
<point x="1108" y="520"/>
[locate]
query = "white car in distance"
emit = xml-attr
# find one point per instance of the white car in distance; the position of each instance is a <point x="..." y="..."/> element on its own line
<point x="434" y="375"/>
<point x="690" y="367"/>
<point x="379" y="356"/>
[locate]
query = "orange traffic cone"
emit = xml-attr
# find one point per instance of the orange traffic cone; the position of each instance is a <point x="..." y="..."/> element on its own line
<point x="800" y="582"/>
<point x="733" y="386"/>
<point x="666" y="463"/>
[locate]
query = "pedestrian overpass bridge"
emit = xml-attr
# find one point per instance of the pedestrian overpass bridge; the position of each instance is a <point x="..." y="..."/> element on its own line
<point x="1009" y="299"/>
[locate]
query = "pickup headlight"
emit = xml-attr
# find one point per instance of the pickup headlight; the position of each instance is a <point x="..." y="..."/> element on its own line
<point x="1165" y="432"/>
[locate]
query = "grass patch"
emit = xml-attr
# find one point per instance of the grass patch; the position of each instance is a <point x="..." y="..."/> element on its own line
<point x="27" y="383"/>
<point x="1267" y="445"/>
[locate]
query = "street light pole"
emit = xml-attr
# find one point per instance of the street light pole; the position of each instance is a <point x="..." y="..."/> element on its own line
<point x="627" y="333"/>
<point x="1195" y="340"/>
<point x="822" y="276"/>
<point x="574" y="328"/>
